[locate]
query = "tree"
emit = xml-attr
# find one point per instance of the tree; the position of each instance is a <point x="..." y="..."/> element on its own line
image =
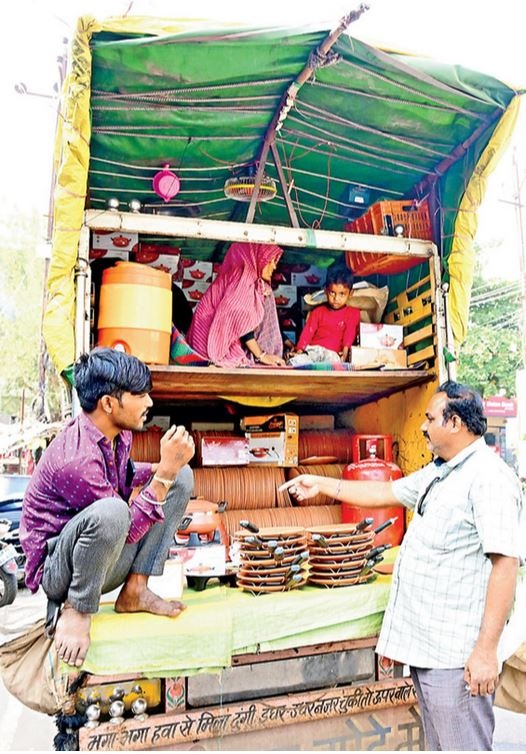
<point x="21" y="305"/>
<point x="492" y="352"/>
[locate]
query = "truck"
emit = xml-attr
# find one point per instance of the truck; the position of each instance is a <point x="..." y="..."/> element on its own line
<point x="175" y="140"/>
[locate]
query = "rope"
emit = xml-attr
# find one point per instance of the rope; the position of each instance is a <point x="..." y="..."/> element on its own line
<point x="125" y="131"/>
<point x="155" y="168"/>
<point x="169" y="105"/>
<point x="407" y="88"/>
<point x="148" y="178"/>
<point x="331" y="118"/>
<point x="165" y="93"/>
<point x="317" y="59"/>
<point x="345" y="181"/>
<point x="358" y="147"/>
<point x="444" y="107"/>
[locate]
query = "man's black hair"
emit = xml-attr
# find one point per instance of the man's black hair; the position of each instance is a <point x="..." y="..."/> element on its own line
<point x="339" y="275"/>
<point x="105" y="371"/>
<point x="465" y="403"/>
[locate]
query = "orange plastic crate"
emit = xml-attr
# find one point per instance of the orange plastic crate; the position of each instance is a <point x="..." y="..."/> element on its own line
<point x="415" y="219"/>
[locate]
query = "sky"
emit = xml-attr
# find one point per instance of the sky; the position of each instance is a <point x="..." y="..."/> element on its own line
<point x="479" y="34"/>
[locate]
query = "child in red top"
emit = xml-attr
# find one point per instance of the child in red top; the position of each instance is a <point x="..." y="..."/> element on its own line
<point x="331" y="328"/>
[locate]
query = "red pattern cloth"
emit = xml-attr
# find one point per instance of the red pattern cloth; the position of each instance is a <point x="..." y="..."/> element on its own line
<point x="239" y="301"/>
<point x="331" y="328"/>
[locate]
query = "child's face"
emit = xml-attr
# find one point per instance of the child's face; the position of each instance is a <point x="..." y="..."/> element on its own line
<point x="337" y="295"/>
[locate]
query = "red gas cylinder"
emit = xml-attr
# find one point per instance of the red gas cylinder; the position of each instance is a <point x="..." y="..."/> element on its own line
<point x="373" y="461"/>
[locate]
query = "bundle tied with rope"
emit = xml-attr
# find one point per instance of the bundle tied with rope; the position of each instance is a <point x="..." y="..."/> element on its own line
<point x="31" y="672"/>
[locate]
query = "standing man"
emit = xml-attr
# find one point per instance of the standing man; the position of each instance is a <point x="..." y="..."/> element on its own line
<point x="84" y="529"/>
<point x="454" y="579"/>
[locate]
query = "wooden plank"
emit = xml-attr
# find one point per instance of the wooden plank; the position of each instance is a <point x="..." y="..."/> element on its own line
<point x="414" y="337"/>
<point x="395" y="729"/>
<point x="309" y="386"/>
<point x="221" y="230"/>
<point x="423" y="355"/>
<point x="313" y="649"/>
<point x="196" y="725"/>
<point x="419" y="284"/>
<point x="410" y="314"/>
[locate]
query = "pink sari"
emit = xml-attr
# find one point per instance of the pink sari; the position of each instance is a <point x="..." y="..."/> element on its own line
<point x="239" y="301"/>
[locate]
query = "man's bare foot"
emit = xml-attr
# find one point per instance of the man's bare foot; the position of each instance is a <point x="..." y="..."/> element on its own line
<point x="135" y="597"/>
<point x="72" y="635"/>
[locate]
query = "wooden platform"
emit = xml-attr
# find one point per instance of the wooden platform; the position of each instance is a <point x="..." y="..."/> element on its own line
<point x="302" y="386"/>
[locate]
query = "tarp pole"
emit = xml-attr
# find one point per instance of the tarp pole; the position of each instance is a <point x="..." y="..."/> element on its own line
<point x="317" y="59"/>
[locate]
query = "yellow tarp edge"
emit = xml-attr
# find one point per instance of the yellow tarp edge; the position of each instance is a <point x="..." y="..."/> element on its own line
<point x="461" y="261"/>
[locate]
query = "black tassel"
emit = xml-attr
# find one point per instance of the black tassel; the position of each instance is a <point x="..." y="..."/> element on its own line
<point x="67" y="737"/>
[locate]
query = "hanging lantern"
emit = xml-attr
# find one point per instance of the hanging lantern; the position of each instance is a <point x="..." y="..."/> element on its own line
<point x="166" y="184"/>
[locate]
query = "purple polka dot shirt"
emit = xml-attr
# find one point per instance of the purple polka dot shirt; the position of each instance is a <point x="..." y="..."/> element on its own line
<point x="79" y="467"/>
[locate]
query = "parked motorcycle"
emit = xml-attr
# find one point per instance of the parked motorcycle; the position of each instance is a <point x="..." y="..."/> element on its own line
<point x="8" y="565"/>
<point x="12" y="488"/>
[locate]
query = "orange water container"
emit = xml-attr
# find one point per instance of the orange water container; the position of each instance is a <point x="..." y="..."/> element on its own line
<point x="135" y="311"/>
<point x="373" y="461"/>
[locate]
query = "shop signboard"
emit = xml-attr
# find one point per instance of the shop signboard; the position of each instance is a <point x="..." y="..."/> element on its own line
<point x="497" y="405"/>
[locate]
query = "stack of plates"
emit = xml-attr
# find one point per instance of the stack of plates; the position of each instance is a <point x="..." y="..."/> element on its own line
<point x="273" y="560"/>
<point x="338" y="555"/>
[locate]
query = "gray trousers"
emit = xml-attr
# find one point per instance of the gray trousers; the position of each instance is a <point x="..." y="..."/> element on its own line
<point x="89" y="557"/>
<point x="453" y="719"/>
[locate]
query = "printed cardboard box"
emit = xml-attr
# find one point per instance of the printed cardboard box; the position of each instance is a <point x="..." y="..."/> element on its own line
<point x="372" y="358"/>
<point x="205" y="560"/>
<point x="312" y="277"/>
<point x="109" y="254"/>
<point x="117" y="240"/>
<point x="164" y="258"/>
<point x="193" y="291"/>
<point x="273" y="448"/>
<point x="272" y="439"/>
<point x="381" y="336"/>
<point x="200" y="272"/>
<point x="285" y="295"/>
<point x="271" y="423"/>
<point x="224" y="451"/>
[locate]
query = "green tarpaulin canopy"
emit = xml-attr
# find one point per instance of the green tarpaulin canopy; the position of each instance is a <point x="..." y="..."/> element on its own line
<point x="139" y="97"/>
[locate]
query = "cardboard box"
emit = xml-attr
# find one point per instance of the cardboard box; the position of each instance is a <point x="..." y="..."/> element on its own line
<point x="313" y="277"/>
<point x="224" y="451"/>
<point x="206" y="560"/>
<point x="271" y="423"/>
<point x="285" y="295"/>
<point x="164" y="258"/>
<point x="372" y="358"/>
<point x="193" y="290"/>
<point x="272" y="449"/>
<point x="381" y="336"/>
<point x="116" y="240"/>
<point x="109" y="254"/>
<point x="200" y="272"/>
<point x="272" y="439"/>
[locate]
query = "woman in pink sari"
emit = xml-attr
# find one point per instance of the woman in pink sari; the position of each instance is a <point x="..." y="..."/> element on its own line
<point x="236" y="324"/>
